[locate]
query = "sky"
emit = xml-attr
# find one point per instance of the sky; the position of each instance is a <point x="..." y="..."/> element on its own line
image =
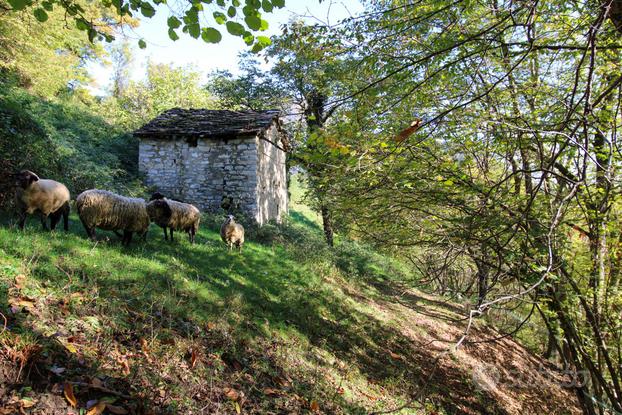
<point x="206" y="57"/>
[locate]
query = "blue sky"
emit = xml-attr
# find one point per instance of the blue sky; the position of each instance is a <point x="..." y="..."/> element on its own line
<point x="206" y="57"/>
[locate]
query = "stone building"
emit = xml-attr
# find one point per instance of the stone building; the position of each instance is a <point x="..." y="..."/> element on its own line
<point x="215" y="159"/>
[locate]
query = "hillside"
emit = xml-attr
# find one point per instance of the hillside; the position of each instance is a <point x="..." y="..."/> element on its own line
<point x="285" y="327"/>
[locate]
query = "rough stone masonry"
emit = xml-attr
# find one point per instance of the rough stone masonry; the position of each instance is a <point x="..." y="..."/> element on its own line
<point x="205" y="157"/>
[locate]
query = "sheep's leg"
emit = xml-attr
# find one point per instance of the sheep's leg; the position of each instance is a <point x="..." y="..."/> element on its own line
<point x="192" y="233"/>
<point x="66" y="211"/>
<point x="22" y="220"/>
<point x="171" y="231"/>
<point x="44" y="222"/>
<point x="90" y="232"/>
<point x="55" y="218"/>
<point x="127" y="238"/>
<point x="165" y="233"/>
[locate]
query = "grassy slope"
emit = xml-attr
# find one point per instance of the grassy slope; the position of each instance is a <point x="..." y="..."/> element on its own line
<point x="286" y="327"/>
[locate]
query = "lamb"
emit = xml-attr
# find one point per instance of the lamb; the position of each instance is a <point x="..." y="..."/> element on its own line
<point x="113" y="212"/>
<point x="174" y="215"/>
<point x="232" y="233"/>
<point x="47" y="197"/>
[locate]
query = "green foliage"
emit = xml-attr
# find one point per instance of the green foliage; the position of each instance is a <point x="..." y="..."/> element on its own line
<point x="64" y="140"/>
<point x="166" y="87"/>
<point x="191" y="13"/>
<point x="45" y="57"/>
<point x="211" y="35"/>
<point x="253" y="89"/>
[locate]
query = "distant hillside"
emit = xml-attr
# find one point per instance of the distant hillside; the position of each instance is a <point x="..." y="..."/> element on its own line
<point x="287" y="326"/>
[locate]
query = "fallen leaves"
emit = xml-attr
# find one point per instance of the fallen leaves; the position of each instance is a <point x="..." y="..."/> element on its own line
<point x="68" y="392"/>
<point x="70" y="348"/>
<point x="231" y="394"/>
<point x="97" y="409"/>
<point x="271" y="392"/>
<point x="17" y="404"/>
<point x="125" y="365"/>
<point x="144" y="346"/>
<point x="20" y="281"/>
<point x="27" y="403"/>
<point x="314" y="406"/>
<point x="193" y="358"/>
<point x="370" y="397"/>
<point x="17" y="303"/>
<point x="284" y="382"/>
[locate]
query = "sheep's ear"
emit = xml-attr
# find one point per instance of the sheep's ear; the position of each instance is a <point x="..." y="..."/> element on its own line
<point x="32" y="178"/>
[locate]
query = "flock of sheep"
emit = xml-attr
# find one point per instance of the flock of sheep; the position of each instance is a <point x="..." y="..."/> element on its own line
<point x="109" y="211"/>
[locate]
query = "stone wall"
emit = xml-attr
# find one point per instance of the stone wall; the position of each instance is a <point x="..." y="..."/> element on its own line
<point x="248" y="170"/>
<point x="272" y="198"/>
<point x="202" y="174"/>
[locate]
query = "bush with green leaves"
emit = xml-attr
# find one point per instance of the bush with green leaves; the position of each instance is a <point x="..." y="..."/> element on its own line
<point x="65" y="141"/>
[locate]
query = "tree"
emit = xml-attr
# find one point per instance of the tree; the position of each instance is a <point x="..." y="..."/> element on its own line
<point x="166" y="87"/>
<point x="513" y="170"/>
<point x="253" y="89"/>
<point x="192" y="17"/>
<point x="308" y="65"/>
<point x="121" y="58"/>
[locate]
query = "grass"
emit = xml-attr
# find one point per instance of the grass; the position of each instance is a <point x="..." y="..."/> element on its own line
<point x="277" y="312"/>
<point x="288" y="326"/>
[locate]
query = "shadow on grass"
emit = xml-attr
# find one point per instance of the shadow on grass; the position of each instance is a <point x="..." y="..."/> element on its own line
<point x="301" y="219"/>
<point x="182" y="287"/>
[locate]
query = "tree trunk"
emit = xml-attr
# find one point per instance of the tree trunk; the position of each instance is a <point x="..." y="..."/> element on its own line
<point x="327" y="224"/>
<point x="570" y="335"/>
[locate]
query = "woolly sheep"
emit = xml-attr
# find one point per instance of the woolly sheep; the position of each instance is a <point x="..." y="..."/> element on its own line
<point x="232" y="233"/>
<point x="174" y="215"/>
<point x="112" y="212"/>
<point x="45" y="196"/>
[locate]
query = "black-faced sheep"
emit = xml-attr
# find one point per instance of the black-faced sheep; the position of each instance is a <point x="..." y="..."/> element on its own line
<point x="109" y="211"/>
<point x="46" y="197"/>
<point x="173" y="215"/>
<point x="232" y="233"/>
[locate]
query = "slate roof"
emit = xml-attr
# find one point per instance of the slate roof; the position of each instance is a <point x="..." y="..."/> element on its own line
<point x="207" y="123"/>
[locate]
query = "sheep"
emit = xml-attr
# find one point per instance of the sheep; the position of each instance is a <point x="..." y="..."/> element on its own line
<point x="47" y="197"/>
<point x="109" y="211"/>
<point x="232" y="233"/>
<point x="174" y="215"/>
